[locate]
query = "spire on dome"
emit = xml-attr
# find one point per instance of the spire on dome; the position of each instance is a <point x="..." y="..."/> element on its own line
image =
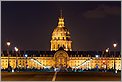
<point x="61" y="13"/>
<point x="61" y="20"/>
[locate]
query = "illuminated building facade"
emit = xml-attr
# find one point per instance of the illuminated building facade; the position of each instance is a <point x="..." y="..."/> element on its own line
<point x="82" y="59"/>
<point x="61" y="54"/>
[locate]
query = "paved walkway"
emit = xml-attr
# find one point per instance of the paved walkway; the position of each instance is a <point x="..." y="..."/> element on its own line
<point x="60" y="76"/>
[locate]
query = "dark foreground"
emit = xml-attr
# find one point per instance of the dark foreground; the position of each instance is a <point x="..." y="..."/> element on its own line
<point x="60" y="76"/>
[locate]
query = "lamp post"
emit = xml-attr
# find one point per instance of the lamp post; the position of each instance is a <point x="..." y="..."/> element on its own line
<point x="107" y="51"/>
<point x="97" y="56"/>
<point x="114" y="45"/>
<point x="16" y="49"/>
<point x="8" y="44"/>
<point x="26" y="60"/>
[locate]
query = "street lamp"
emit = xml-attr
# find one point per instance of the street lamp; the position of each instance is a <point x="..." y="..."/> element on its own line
<point x="97" y="56"/>
<point x="16" y="49"/>
<point x="107" y="51"/>
<point x="8" y="44"/>
<point x="26" y="60"/>
<point x="114" y="45"/>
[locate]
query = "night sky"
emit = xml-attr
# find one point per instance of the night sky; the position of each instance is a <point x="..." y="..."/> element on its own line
<point x="29" y="25"/>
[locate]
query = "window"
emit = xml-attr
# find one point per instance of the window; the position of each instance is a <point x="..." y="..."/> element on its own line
<point x="63" y="46"/>
<point x="54" y="46"/>
<point x="58" y="45"/>
<point x="58" y="38"/>
<point x="63" y="38"/>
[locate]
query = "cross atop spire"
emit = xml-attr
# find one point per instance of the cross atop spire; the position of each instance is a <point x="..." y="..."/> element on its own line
<point x="61" y="13"/>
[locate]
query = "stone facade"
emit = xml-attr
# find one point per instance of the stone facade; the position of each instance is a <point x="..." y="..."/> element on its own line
<point x="80" y="59"/>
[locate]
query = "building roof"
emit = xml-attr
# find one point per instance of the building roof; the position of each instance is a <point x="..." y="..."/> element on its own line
<point x="70" y="53"/>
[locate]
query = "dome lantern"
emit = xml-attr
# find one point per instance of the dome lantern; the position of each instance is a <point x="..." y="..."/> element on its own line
<point x="61" y="20"/>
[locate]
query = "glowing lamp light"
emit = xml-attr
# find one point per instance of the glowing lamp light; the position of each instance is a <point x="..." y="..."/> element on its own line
<point x="96" y="56"/>
<point x="12" y="70"/>
<point x="107" y="49"/>
<point x="8" y="43"/>
<point x="55" y="69"/>
<point x="26" y="55"/>
<point x="115" y="71"/>
<point x="16" y="49"/>
<point x="115" y="44"/>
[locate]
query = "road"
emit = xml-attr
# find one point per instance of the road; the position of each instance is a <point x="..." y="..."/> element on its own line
<point x="88" y="76"/>
<point x="60" y="76"/>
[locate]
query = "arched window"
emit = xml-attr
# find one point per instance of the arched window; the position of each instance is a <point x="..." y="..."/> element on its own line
<point x="66" y="38"/>
<point x="58" y="45"/>
<point x="54" y="46"/>
<point x="63" y="46"/>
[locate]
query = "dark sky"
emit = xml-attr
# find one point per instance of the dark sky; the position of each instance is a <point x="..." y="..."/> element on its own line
<point x="93" y="25"/>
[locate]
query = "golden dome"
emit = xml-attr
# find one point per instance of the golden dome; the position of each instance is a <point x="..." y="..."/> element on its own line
<point x="61" y="31"/>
